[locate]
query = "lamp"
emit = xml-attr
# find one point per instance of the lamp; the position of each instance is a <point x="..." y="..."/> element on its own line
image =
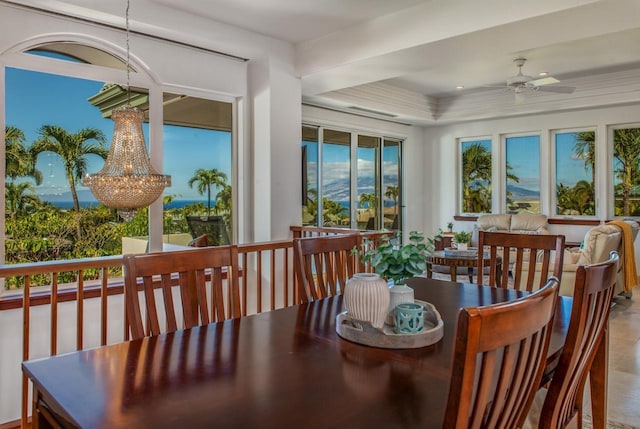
<point x="127" y="180"/>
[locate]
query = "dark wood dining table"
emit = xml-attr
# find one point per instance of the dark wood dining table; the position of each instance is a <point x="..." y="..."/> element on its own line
<point x="285" y="368"/>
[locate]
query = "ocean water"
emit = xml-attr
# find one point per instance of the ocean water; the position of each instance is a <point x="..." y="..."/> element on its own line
<point x="175" y="204"/>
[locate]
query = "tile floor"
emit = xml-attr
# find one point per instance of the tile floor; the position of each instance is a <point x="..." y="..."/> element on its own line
<point x="624" y="360"/>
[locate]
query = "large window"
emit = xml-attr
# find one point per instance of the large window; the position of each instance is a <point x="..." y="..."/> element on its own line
<point x="476" y="173"/>
<point x="522" y="174"/>
<point x="575" y="160"/>
<point x="336" y="159"/>
<point x="626" y="170"/>
<point x="197" y="153"/>
<point x="58" y="128"/>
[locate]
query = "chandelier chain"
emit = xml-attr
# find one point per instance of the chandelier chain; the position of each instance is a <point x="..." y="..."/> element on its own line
<point x="128" y="55"/>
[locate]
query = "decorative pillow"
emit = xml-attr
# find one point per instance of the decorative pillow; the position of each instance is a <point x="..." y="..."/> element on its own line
<point x="572" y="255"/>
<point x="527" y="232"/>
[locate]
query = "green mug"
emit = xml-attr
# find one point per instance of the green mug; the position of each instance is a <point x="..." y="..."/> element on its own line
<point x="409" y="318"/>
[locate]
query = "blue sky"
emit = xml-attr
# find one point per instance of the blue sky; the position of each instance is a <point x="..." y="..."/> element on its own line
<point x="523" y="155"/>
<point x="569" y="170"/>
<point x="34" y="99"/>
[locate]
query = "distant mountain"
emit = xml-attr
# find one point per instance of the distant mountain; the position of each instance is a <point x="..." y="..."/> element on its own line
<point x="338" y="190"/>
<point x="84" y="195"/>
<point x="518" y="193"/>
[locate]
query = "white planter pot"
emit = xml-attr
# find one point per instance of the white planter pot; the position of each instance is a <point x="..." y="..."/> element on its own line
<point x="366" y="298"/>
<point x="463" y="246"/>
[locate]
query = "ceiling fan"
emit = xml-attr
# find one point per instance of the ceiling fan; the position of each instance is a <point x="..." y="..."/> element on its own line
<point x="521" y="83"/>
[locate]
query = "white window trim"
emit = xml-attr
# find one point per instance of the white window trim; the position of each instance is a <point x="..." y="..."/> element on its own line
<point x="553" y="173"/>
<point x="460" y="199"/>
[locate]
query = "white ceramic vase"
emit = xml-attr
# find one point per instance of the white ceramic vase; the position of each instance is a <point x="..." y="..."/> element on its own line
<point x="398" y="294"/>
<point x="366" y="298"/>
<point x="463" y="246"/>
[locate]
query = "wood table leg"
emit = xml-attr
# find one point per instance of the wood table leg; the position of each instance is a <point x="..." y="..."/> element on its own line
<point x="598" y="382"/>
<point x="454" y="271"/>
<point x="429" y="270"/>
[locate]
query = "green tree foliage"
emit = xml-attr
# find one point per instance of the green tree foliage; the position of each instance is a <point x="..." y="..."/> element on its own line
<point x="20" y="198"/>
<point x="205" y="180"/>
<point x="626" y="152"/>
<point x="579" y="200"/>
<point x="73" y="148"/>
<point x="392" y="193"/>
<point x="19" y="160"/>
<point x="333" y="213"/>
<point x="476" y="179"/>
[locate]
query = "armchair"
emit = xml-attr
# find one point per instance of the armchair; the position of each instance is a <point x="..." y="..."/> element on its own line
<point x="597" y="246"/>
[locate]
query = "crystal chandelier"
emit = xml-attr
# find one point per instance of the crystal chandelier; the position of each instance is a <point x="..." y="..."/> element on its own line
<point x="127" y="181"/>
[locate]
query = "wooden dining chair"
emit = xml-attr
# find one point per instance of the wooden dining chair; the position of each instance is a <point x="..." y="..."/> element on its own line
<point x="324" y="263"/>
<point x="526" y="258"/>
<point x="198" y="276"/>
<point x="593" y="294"/>
<point x="499" y="357"/>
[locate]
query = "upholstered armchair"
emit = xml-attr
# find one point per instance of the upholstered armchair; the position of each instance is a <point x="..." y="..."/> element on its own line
<point x="596" y="247"/>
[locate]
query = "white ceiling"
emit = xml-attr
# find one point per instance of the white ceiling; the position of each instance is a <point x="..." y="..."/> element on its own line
<point x="404" y="58"/>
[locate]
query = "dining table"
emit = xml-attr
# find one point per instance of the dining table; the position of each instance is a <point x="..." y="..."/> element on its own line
<point x="285" y="368"/>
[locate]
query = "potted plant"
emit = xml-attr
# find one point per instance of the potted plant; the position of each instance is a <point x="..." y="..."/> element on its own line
<point x="396" y="263"/>
<point x="450" y="227"/>
<point x="461" y="239"/>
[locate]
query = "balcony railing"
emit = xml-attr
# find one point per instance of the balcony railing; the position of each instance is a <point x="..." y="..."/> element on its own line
<point x="72" y="315"/>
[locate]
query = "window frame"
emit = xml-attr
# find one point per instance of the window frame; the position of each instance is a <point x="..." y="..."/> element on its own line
<point x="553" y="171"/>
<point x="140" y="77"/>
<point x="355" y="132"/>
<point x="610" y="176"/>
<point x="503" y="168"/>
<point x="460" y="203"/>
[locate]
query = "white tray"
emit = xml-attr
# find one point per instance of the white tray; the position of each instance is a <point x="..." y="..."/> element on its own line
<point x="363" y="333"/>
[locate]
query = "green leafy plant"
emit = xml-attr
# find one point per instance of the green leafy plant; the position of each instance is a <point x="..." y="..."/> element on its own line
<point x="450" y="226"/>
<point x="462" y="237"/>
<point x="397" y="262"/>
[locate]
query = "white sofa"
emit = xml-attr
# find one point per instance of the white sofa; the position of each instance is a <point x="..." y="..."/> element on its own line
<point x="516" y="223"/>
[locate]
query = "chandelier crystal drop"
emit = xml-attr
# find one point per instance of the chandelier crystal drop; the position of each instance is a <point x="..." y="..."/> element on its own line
<point x="127" y="180"/>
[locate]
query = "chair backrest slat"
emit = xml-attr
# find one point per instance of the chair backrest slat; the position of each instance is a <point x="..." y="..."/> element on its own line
<point x="511" y="253"/>
<point x="191" y="271"/>
<point x="324" y="264"/>
<point x="499" y="357"/>
<point x="593" y="294"/>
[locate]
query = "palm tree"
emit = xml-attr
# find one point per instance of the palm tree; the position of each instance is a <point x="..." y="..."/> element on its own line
<point x="74" y="149"/>
<point x="224" y="199"/>
<point x="392" y="193"/>
<point x="19" y="161"/>
<point x="205" y="180"/>
<point x="585" y="149"/>
<point x="476" y="172"/>
<point x="19" y="196"/>
<point x="626" y="151"/>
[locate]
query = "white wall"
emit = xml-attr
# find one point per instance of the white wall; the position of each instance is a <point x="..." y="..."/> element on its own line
<point x="440" y="159"/>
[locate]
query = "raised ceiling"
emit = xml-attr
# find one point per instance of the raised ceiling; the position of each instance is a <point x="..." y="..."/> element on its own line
<point x="404" y="58"/>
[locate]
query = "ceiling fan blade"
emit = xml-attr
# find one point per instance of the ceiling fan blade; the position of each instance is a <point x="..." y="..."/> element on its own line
<point x="556" y="89"/>
<point x="543" y="81"/>
<point x="496" y="86"/>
